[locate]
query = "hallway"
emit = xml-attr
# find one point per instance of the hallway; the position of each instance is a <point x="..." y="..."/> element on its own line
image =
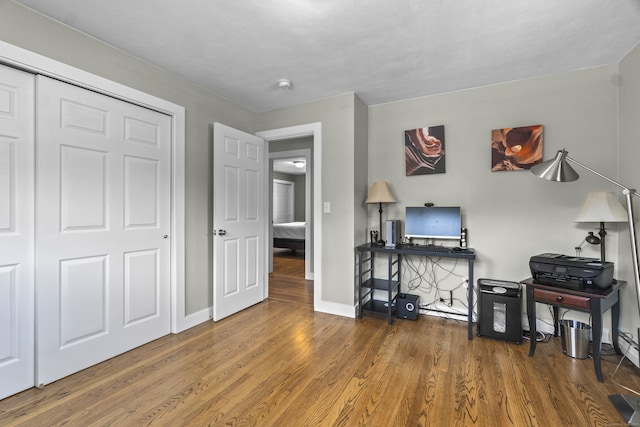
<point x="287" y="282"/>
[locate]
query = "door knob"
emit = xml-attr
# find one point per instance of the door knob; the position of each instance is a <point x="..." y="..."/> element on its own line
<point x="222" y="232"/>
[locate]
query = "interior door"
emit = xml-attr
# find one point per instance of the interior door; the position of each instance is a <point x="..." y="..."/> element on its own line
<point x="239" y="221"/>
<point x="102" y="226"/>
<point x="283" y="193"/>
<point x="17" y="296"/>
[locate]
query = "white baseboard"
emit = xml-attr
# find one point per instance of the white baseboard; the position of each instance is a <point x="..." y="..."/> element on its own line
<point x="628" y="350"/>
<point x="343" y="310"/>
<point x="196" y="318"/>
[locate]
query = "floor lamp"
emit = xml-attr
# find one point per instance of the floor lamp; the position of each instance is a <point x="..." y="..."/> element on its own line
<point x="560" y="170"/>
<point x="380" y="193"/>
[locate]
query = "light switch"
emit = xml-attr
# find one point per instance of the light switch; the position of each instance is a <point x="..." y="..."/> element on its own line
<point x="327" y="207"/>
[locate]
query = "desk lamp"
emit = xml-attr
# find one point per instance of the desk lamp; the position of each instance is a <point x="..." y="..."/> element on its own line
<point x="601" y="207"/>
<point x="560" y="170"/>
<point x="380" y="193"/>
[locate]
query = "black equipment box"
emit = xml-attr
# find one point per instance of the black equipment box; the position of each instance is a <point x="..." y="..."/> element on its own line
<point x="570" y="272"/>
<point x="500" y="310"/>
<point x="407" y="306"/>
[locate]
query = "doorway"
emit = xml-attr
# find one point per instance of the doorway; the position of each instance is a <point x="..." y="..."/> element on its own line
<point x="291" y="277"/>
<point x="313" y="239"/>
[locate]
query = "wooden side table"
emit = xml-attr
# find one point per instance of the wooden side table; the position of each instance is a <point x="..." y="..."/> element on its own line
<point x="592" y="301"/>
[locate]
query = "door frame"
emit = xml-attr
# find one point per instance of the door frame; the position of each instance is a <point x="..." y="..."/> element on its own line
<point x="308" y="214"/>
<point x="292" y="132"/>
<point x="32" y="62"/>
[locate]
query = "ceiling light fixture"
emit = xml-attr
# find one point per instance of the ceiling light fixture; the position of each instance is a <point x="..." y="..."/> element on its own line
<point x="298" y="163"/>
<point x="284" y="83"/>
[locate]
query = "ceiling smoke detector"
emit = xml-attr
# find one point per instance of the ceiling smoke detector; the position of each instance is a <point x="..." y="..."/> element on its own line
<point x="284" y="83"/>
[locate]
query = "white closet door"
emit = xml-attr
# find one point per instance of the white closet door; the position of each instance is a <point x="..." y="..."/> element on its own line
<point x="16" y="231"/>
<point x="283" y="193"/>
<point x="102" y="226"/>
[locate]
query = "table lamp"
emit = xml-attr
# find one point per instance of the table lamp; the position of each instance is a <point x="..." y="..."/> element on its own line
<point x="380" y="193"/>
<point x="601" y="207"/>
<point x="560" y="170"/>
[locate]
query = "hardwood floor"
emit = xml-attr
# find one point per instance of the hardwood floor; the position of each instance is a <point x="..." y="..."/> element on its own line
<point x="287" y="281"/>
<point x="280" y="364"/>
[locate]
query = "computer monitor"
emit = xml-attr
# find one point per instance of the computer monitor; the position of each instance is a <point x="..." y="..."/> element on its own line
<point x="434" y="222"/>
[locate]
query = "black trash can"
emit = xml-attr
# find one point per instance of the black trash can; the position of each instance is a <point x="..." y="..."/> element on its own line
<point x="500" y="310"/>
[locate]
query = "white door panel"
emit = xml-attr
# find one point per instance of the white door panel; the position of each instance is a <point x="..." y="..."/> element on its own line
<point x="240" y="188"/>
<point x="17" y="297"/>
<point x="283" y="192"/>
<point x="103" y="211"/>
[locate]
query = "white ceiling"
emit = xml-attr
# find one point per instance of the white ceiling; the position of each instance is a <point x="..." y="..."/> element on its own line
<point x="383" y="50"/>
<point x="287" y="166"/>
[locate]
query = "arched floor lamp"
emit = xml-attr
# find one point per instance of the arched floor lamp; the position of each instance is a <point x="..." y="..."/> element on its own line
<point x="560" y="170"/>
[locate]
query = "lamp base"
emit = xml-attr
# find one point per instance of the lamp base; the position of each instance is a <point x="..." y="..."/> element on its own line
<point x="628" y="406"/>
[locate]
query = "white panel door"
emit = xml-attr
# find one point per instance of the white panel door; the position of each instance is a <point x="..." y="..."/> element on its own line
<point x="17" y="298"/>
<point x="240" y="188"/>
<point x="102" y="225"/>
<point x="283" y="193"/>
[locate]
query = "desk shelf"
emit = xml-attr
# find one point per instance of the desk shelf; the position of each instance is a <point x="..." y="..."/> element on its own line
<point x="391" y="284"/>
<point x="378" y="306"/>
<point x="374" y="283"/>
<point x="368" y="283"/>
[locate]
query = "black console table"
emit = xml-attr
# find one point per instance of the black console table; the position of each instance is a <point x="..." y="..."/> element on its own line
<point x="392" y="283"/>
<point x="592" y="301"/>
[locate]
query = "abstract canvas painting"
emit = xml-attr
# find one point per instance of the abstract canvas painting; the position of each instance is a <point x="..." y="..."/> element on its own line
<point x="424" y="150"/>
<point x="516" y="148"/>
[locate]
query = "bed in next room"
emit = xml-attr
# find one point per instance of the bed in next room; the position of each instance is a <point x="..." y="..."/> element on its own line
<point x="289" y="235"/>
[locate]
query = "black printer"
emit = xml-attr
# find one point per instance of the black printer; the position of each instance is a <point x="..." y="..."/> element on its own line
<point x="571" y="272"/>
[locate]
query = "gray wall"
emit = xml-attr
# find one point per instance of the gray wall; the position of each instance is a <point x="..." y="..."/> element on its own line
<point x="21" y="27"/>
<point x="629" y="155"/>
<point x="510" y="215"/>
<point x="337" y="117"/>
<point x="360" y="177"/>
<point x="299" y="198"/>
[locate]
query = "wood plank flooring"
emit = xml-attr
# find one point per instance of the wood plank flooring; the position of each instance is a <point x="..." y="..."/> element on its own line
<point x="287" y="281"/>
<point x="280" y="364"/>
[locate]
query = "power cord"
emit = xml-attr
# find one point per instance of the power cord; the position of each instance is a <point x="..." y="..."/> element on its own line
<point x="629" y="340"/>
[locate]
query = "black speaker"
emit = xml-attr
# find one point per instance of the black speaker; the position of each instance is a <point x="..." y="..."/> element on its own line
<point x="407" y="306"/>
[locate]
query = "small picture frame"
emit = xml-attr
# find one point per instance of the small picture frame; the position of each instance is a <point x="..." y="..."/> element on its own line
<point x="424" y="151"/>
<point x="517" y="148"/>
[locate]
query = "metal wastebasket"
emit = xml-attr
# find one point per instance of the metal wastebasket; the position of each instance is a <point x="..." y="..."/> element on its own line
<point x="575" y="338"/>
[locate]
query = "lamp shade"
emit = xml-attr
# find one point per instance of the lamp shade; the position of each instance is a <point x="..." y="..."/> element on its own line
<point x="558" y="169"/>
<point x="601" y="207"/>
<point x="380" y="193"/>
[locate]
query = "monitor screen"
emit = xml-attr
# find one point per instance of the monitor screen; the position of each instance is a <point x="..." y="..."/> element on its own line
<point x="433" y="222"/>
